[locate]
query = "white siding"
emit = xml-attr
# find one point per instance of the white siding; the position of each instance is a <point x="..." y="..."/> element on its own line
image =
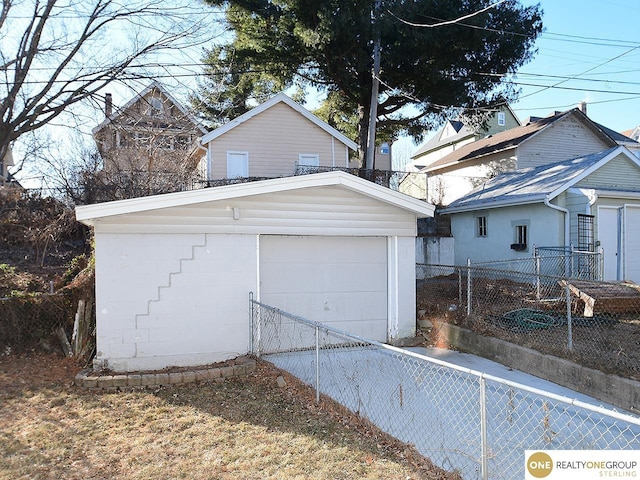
<point x="564" y="139"/>
<point x="631" y="232"/>
<point x="319" y="210"/>
<point x="444" y="188"/>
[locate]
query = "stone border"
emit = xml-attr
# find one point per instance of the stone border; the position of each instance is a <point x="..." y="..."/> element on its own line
<point x="95" y="380"/>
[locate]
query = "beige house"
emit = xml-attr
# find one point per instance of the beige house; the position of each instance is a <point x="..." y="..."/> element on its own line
<point x="278" y="138"/>
<point x="153" y="133"/>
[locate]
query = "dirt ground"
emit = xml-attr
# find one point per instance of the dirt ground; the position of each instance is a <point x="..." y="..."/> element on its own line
<point x="245" y="427"/>
<point x="607" y="341"/>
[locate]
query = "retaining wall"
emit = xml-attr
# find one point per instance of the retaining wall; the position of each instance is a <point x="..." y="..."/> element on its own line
<point x="618" y="391"/>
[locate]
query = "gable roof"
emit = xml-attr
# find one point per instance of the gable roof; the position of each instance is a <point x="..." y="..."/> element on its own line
<point x="279" y="98"/>
<point x="154" y="85"/>
<point x="88" y="214"/>
<point x="536" y="184"/>
<point x="462" y="132"/>
<point x="512" y="138"/>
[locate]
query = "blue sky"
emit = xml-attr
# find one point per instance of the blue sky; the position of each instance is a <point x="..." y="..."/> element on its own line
<point x="591" y="49"/>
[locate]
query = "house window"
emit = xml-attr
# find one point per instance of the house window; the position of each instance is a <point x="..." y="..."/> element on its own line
<point x="308" y="163"/>
<point x="384" y="148"/>
<point x="237" y="164"/>
<point x="156" y="107"/>
<point x="585" y="233"/>
<point x="183" y="141"/>
<point x="501" y="119"/>
<point x="143" y="140"/>
<point x="481" y="226"/>
<point x="164" y="142"/>
<point x="521" y="233"/>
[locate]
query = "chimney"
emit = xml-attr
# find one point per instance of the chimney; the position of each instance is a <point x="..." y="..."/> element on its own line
<point x="108" y="105"/>
<point x="583" y="107"/>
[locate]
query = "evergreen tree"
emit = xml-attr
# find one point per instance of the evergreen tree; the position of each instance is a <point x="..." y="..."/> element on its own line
<point x="430" y="67"/>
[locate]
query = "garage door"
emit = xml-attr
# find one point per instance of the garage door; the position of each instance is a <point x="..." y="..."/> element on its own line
<point x="632" y="243"/>
<point x="340" y="281"/>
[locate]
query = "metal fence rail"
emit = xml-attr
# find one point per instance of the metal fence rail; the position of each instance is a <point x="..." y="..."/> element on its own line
<point x="596" y="324"/>
<point x="463" y="420"/>
<point x="554" y="261"/>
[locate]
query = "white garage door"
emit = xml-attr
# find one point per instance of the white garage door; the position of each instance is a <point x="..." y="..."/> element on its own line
<point x="340" y="281"/>
<point x="632" y="243"/>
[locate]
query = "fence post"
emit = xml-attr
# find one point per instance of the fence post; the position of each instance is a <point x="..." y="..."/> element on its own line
<point x="251" y="322"/>
<point x="536" y="257"/>
<point x="600" y="258"/>
<point x="459" y="286"/>
<point x="468" y="287"/>
<point x="483" y="429"/>
<point x="317" y="364"/>
<point x="569" y="334"/>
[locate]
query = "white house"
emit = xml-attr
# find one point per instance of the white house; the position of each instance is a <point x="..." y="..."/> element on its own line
<point x="174" y="271"/>
<point x="589" y="202"/>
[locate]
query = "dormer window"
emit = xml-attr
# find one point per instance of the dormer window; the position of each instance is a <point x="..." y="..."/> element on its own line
<point x="502" y="121"/>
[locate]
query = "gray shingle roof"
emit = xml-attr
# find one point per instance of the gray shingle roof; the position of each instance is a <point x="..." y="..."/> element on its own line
<point x="511" y="139"/>
<point x="528" y="185"/>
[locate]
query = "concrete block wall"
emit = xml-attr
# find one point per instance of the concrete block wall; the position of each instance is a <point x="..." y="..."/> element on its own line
<point x="191" y="308"/>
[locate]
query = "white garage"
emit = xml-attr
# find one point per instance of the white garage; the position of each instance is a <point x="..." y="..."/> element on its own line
<point x="174" y="272"/>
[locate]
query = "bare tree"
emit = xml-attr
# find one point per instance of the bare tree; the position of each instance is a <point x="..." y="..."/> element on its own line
<point x="56" y="53"/>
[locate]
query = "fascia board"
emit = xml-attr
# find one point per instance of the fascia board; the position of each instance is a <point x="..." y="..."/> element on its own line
<point x="386" y="195"/>
<point x="528" y="200"/>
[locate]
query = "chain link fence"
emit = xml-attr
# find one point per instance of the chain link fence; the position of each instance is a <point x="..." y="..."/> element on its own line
<point x="593" y="323"/>
<point x="554" y="261"/>
<point x="462" y="420"/>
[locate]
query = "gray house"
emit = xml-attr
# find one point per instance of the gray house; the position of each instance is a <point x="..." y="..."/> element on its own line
<point x="590" y="202"/>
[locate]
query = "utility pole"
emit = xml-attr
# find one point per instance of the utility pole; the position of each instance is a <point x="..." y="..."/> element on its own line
<point x="375" y="85"/>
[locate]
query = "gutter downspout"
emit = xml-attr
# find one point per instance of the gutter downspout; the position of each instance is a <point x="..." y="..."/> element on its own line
<point x="567" y="231"/>
<point x="208" y="157"/>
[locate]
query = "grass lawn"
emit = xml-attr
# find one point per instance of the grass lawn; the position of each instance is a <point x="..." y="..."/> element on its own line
<point x="246" y="428"/>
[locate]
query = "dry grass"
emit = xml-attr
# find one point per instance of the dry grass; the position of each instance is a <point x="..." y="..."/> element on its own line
<point x="242" y="428"/>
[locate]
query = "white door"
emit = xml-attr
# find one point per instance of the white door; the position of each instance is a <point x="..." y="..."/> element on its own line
<point x="631" y="228"/>
<point x="341" y="281"/>
<point x="237" y="164"/>
<point x="609" y="237"/>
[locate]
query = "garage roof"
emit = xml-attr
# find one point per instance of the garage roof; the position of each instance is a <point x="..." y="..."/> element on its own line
<point x="87" y="214"/>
